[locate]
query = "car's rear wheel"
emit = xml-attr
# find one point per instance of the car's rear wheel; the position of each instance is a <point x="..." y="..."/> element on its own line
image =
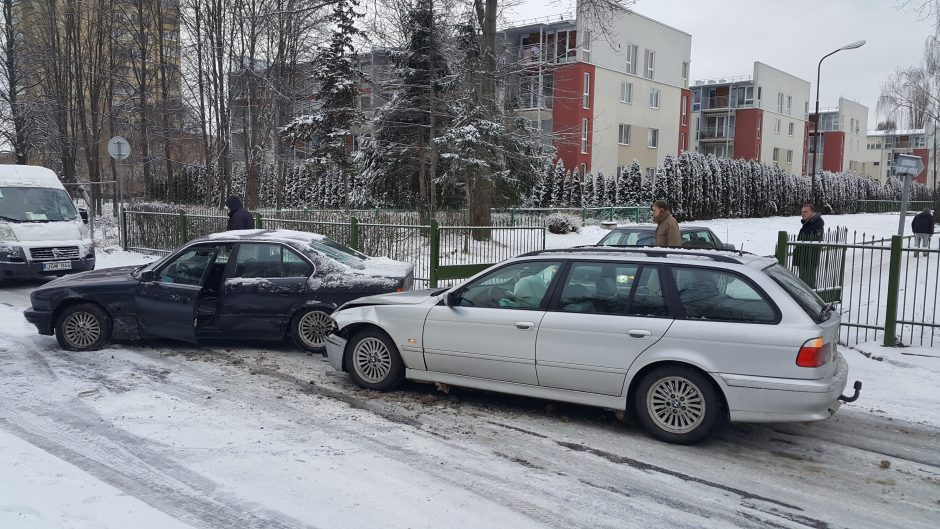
<point x="83" y="327"/>
<point x="677" y="404"/>
<point x="373" y="361"/>
<point x="310" y="329"/>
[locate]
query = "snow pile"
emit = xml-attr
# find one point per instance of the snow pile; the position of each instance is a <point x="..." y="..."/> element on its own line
<point x="897" y="382"/>
<point x="561" y="223"/>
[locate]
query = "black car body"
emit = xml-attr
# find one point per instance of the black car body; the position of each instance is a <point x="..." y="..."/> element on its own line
<point x="249" y="284"/>
<point x="645" y="235"/>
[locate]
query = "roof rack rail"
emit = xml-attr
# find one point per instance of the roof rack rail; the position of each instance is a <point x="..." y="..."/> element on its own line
<point x="649" y="251"/>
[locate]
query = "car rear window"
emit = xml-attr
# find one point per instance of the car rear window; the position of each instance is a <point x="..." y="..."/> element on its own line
<point x="340" y="253"/>
<point x="629" y="238"/>
<point x="798" y="290"/>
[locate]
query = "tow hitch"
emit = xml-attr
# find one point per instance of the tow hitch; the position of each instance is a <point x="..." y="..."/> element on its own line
<point x="854" y="397"/>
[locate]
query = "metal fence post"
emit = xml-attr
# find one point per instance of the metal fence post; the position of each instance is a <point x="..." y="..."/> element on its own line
<point x="123" y="228"/>
<point x="257" y="221"/>
<point x="894" y="292"/>
<point x="512" y="216"/>
<point x="354" y="233"/>
<point x="610" y="214"/>
<point x="636" y="213"/>
<point x="435" y="257"/>
<point x="782" y="240"/>
<point x="183" y="228"/>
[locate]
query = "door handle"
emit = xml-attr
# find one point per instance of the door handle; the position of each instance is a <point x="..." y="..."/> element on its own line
<point x="639" y="333"/>
<point x="524" y="325"/>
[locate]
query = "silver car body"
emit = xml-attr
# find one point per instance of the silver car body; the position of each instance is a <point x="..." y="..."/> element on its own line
<point x="593" y="359"/>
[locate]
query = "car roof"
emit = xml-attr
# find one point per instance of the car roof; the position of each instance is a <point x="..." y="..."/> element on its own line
<point x="262" y="235"/>
<point x="650" y="226"/>
<point x="674" y="255"/>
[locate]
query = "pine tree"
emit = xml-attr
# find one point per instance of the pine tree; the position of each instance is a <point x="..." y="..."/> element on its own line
<point x="587" y="191"/>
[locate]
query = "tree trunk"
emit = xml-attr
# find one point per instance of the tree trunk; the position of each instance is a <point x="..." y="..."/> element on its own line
<point x="481" y="196"/>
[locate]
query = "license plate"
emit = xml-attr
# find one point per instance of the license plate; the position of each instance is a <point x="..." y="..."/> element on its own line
<point x="57" y="265"/>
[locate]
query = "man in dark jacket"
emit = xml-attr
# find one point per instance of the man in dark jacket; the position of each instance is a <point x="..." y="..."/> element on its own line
<point x="806" y="258"/>
<point x="239" y="218"/>
<point x="922" y="226"/>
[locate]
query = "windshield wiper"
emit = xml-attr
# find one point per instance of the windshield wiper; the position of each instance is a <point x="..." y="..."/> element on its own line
<point x="9" y="219"/>
<point x="826" y="311"/>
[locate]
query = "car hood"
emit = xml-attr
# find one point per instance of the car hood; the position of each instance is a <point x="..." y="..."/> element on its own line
<point x="48" y="232"/>
<point x="106" y="275"/>
<point x="412" y="297"/>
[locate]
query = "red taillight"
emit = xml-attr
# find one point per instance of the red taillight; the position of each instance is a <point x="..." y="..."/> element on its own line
<point x="814" y="353"/>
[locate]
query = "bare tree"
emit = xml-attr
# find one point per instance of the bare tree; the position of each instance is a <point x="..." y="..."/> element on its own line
<point x="17" y="129"/>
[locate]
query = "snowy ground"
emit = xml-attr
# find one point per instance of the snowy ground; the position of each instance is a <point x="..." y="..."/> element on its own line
<point x="171" y="435"/>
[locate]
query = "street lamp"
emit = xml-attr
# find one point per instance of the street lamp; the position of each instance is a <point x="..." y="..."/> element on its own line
<point x="852" y="46"/>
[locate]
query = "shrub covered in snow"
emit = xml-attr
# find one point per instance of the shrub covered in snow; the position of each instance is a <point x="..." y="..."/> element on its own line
<point x="562" y="223"/>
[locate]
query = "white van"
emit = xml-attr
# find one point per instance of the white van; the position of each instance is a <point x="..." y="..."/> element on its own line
<point x="41" y="232"/>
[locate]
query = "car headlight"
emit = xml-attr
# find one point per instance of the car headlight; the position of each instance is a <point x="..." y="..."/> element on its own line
<point x="6" y="233"/>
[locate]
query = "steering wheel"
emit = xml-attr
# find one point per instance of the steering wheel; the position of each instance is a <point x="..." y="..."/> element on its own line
<point x="493" y="294"/>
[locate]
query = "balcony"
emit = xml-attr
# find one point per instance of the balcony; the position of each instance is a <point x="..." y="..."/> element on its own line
<point x="716" y="103"/>
<point x="715" y="133"/>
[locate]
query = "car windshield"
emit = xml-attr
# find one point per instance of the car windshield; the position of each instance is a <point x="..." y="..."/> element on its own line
<point x="814" y="306"/>
<point x="340" y="253"/>
<point x="35" y="204"/>
<point x="629" y="238"/>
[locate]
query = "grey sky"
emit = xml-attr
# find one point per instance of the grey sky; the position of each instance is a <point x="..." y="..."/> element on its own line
<point x="792" y="35"/>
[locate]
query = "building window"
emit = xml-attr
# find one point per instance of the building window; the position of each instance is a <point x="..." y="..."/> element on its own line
<point x="683" y="145"/>
<point x="586" y="94"/>
<point x="650" y="64"/>
<point x="780" y="102"/>
<point x="685" y="110"/>
<point x="760" y="94"/>
<point x="624" y="134"/>
<point x="583" y="169"/>
<point x="633" y="52"/>
<point x="584" y="135"/>
<point x="654" y="98"/>
<point x="626" y="92"/>
<point x="586" y="45"/>
<point x="789" y="104"/>
<point x="685" y="74"/>
<point x="620" y="170"/>
<point x="653" y="139"/>
<point x="851" y="125"/>
<point x="790" y="156"/>
<point x="790" y="128"/>
<point x="365" y="103"/>
<point x="806" y="110"/>
<point x="650" y="174"/>
<point x="777" y="126"/>
<point x="759" y="125"/>
<point x="776" y="154"/>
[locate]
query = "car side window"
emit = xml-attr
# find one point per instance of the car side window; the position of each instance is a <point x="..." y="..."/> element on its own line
<point x="189" y="268"/>
<point x="707" y="294"/>
<point x="518" y="286"/>
<point x="697" y="239"/>
<point x="611" y="288"/>
<point x="269" y="261"/>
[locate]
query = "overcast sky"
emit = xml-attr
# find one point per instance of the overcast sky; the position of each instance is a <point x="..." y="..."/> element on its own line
<point x="791" y="35"/>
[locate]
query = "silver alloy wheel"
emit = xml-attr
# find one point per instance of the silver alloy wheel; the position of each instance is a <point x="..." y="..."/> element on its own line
<point x="675" y="404"/>
<point x="82" y="329"/>
<point x="313" y="328"/>
<point x="372" y="360"/>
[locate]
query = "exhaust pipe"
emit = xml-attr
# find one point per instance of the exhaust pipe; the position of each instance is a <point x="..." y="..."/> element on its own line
<point x="854" y="397"/>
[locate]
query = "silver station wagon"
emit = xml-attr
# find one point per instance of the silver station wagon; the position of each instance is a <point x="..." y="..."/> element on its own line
<point x="681" y="338"/>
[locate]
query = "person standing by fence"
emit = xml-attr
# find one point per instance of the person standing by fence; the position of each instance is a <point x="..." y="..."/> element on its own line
<point x="239" y="218"/>
<point x="922" y="226"/>
<point x="667" y="229"/>
<point x="806" y="258"/>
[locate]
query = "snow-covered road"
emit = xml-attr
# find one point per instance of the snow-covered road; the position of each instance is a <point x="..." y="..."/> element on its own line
<point x="250" y="435"/>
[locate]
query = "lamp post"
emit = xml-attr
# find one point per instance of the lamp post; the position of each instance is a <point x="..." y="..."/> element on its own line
<point x="852" y="46"/>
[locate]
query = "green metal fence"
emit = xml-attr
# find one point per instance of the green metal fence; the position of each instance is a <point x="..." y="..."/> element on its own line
<point x="887" y="289"/>
<point x="892" y="206"/>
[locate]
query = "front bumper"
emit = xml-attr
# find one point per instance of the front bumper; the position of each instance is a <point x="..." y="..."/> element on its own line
<point x="31" y="269"/>
<point x="761" y="399"/>
<point x="42" y="319"/>
<point x="335" y="349"/>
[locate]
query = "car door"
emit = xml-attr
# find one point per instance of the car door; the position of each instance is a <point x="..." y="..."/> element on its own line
<point x="604" y="315"/>
<point x="166" y="306"/>
<point x="490" y="331"/>
<point x="264" y="287"/>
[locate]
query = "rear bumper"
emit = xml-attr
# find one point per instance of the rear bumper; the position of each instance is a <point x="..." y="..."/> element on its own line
<point x="28" y="269"/>
<point x="42" y="319"/>
<point x="335" y="349"/>
<point x="763" y="399"/>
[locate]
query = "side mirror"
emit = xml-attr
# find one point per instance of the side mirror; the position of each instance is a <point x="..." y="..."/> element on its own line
<point x="727" y="246"/>
<point x="452" y="299"/>
<point x="146" y="276"/>
<point x="83" y="213"/>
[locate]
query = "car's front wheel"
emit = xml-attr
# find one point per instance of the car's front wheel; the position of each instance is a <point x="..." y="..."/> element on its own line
<point x="83" y="327"/>
<point x="373" y="361"/>
<point x="310" y="329"/>
<point x="677" y="404"/>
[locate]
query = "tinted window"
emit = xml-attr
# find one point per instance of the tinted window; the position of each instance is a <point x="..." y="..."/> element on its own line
<point x="265" y="260"/>
<point x="611" y="288"/>
<point x="629" y="238"/>
<point x="718" y="295"/>
<point x="189" y="268"/>
<point x="811" y="303"/>
<point x="518" y="286"/>
<point x="698" y="239"/>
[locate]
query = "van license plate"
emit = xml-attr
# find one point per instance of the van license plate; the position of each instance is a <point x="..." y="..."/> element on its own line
<point x="57" y="265"/>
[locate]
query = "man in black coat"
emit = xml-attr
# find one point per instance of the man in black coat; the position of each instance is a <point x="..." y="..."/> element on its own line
<point x="806" y="258"/>
<point x="239" y="218"/>
<point x="922" y="226"/>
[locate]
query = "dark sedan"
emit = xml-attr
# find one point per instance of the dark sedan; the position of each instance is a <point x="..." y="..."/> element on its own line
<point x="250" y="284"/>
<point x="645" y="235"/>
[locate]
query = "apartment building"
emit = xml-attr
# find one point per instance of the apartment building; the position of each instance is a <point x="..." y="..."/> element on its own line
<point x="603" y="100"/>
<point x="760" y="117"/>
<point x="838" y="138"/>
<point x="884" y="146"/>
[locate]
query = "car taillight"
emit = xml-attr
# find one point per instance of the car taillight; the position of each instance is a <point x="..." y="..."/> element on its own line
<point x="814" y="353"/>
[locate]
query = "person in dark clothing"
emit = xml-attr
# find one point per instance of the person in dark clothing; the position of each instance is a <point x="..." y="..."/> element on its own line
<point x="239" y="218"/>
<point x="806" y="258"/>
<point x="922" y="226"/>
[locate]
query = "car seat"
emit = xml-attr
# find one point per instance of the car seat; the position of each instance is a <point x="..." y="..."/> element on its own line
<point x="576" y="298"/>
